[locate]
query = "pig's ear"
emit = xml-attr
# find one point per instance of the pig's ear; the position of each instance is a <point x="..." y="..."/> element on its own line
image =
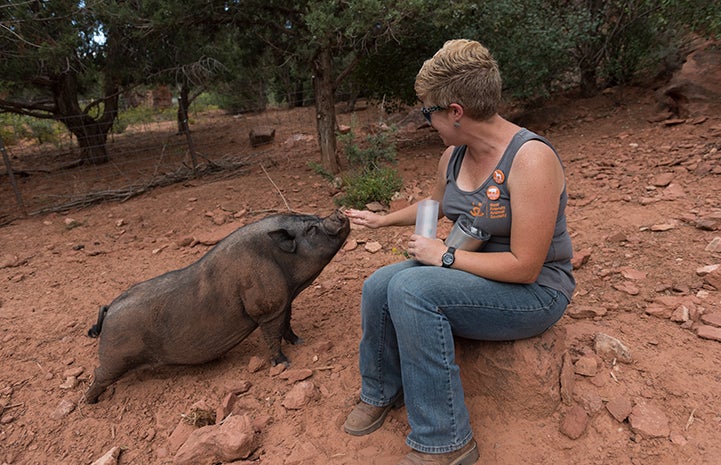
<point x="284" y="239"/>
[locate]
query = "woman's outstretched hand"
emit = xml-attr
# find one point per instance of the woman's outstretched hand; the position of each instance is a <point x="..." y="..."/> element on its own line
<point x="364" y="218"/>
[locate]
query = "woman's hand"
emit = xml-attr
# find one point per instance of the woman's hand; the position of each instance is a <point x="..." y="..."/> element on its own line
<point x="364" y="218"/>
<point x="425" y="250"/>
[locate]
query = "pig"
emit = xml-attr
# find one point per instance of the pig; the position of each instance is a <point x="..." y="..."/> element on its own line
<point x="198" y="313"/>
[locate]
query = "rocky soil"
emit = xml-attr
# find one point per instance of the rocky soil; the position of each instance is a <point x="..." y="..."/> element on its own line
<point x="637" y="356"/>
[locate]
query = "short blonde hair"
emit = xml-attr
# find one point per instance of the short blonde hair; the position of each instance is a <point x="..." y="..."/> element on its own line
<point x="463" y="72"/>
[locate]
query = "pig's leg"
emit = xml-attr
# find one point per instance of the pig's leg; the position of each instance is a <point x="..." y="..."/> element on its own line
<point x="273" y="330"/>
<point x="289" y="336"/>
<point x="101" y="380"/>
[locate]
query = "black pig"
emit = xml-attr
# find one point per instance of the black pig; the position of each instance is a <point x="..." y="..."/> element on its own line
<point x="198" y="313"/>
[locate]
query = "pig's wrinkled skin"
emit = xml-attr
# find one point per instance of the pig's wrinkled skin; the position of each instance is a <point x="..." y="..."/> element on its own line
<point x="198" y="313"/>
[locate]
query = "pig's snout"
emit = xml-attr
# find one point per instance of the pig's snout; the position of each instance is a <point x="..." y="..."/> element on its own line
<point x="336" y="223"/>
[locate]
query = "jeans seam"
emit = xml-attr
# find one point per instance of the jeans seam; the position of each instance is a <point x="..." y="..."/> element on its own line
<point x="379" y="354"/>
<point x="449" y="383"/>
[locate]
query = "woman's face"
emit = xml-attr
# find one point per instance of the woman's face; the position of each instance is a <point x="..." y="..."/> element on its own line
<point x="441" y="119"/>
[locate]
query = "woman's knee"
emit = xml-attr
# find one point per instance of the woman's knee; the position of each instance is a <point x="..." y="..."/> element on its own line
<point x="380" y="279"/>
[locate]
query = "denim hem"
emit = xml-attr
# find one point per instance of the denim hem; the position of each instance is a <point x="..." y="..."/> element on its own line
<point x="439" y="449"/>
<point x="376" y="403"/>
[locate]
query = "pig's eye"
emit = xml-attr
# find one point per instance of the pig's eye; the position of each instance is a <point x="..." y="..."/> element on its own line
<point x="311" y="229"/>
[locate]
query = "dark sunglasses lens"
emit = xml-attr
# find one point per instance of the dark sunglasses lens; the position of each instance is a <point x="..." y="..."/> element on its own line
<point x="426" y="114"/>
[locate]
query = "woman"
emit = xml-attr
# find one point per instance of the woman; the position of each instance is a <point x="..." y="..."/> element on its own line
<point x="516" y="287"/>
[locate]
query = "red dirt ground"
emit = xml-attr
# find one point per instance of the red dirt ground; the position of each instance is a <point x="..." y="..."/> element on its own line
<point x="645" y="238"/>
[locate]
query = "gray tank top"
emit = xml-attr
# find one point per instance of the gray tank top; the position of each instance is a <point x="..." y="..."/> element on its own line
<point x="489" y="207"/>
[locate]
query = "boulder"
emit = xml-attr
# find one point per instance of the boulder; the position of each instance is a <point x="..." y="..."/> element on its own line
<point x="517" y="377"/>
<point x="696" y="84"/>
<point x="235" y="439"/>
<point x="261" y="135"/>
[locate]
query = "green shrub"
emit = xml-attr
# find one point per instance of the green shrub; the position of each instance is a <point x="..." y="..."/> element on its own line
<point x="369" y="179"/>
<point x="45" y="130"/>
<point x="17" y="127"/>
<point x="319" y="170"/>
<point x="142" y="114"/>
<point x="377" y="185"/>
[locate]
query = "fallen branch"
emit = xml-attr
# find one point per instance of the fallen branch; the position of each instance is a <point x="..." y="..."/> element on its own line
<point x="125" y="193"/>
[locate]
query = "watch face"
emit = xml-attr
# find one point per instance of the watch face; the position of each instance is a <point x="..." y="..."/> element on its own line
<point x="447" y="259"/>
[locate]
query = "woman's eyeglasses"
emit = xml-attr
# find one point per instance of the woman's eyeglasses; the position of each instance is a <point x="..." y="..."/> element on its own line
<point x="428" y="110"/>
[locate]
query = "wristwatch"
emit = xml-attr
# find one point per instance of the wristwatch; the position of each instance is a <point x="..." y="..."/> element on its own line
<point x="449" y="257"/>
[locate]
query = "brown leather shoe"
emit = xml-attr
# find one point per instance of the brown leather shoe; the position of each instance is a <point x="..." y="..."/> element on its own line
<point x="466" y="455"/>
<point x="366" y="418"/>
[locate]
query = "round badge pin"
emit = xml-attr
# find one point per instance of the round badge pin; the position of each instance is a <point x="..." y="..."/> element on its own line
<point x="499" y="177"/>
<point x="493" y="193"/>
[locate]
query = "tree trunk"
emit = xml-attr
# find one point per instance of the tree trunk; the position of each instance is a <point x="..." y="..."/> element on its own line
<point x="589" y="86"/>
<point x="183" y="104"/>
<point x="91" y="139"/>
<point x="91" y="133"/>
<point x="325" y="110"/>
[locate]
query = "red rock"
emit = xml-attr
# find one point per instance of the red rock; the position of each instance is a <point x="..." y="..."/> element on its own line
<point x="673" y="192"/>
<point x="296" y="375"/>
<point x="628" y="288"/>
<point x="714" y="245"/>
<point x="110" y="457"/>
<point x="179" y="435"/>
<point x="681" y="314"/>
<point x="574" y="422"/>
<point x="709" y="332"/>
<point x="261" y="135"/>
<point x="649" y="421"/>
<point x="351" y="244"/>
<point x="713" y="279"/>
<point x="580" y="258"/>
<point x="226" y="407"/>
<point x="713" y="319"/>
<point x="609" y="347"/>
<point x="674" y="302"/>
<point x="619" y="408"/>
<point x="255" y="363"/>
<point x="519" y="377"/>
<point x="585" y="311"/>
<point x="632" y="274"/>
<point x="64" y="408"/>
<point x="663" y="179"/>
<point x="586" y="366"/>
<point x="235" y="439"/>
<point x="301" y="394"/>
<point x="704" y="270"/>
<point x="659" y="311"/>
<point x="678" y="439"/>
<point x="278" y="369"/>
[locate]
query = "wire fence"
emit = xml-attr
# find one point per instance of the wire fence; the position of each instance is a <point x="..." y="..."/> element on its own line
<point x="38" y="178"/>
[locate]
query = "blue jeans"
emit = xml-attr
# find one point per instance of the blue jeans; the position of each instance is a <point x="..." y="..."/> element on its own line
<point x="409" y="314"/>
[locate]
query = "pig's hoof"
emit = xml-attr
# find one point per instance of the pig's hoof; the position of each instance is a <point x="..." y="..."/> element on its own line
<point x="297" y="340"/>
<point x="280" y="359"/>
<point x="292" y="338"/>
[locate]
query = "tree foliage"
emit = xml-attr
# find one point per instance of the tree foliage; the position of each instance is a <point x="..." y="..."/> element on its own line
<point x="70" y="60"/>
<point x="49" y="60"/>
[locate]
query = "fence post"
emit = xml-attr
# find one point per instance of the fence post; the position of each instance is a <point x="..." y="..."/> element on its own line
<point x="191" y="148"/>
<point x="11" y="176"/>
